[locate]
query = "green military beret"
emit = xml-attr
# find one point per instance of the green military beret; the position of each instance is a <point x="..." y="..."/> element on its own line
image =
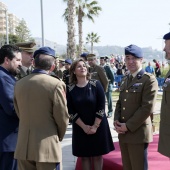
<point x="27" y="46"/>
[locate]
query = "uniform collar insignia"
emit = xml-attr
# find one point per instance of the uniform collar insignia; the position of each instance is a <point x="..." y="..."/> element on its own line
<point x="140" y="74"/>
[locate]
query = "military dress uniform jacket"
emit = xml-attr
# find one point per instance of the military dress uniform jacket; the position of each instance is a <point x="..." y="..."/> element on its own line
<point x="24" y="71"/>
<point x="8" y="119"/>
<point x="66" y="76"/>
<point x="134" y="107"/>
<point x="164" y="131"/>
<point x="40" y="103"/>
<point x="98" y="73"/>
<point x="110" y="77"/>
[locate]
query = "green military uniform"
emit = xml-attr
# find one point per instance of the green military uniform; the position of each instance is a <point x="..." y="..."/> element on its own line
<point x="98" y="73"/>
<point x="164" y="135"/>
<point x="134" y="107"/>
<point x="59" y="71"/>
<point x="110" y="77"/>
<point x="24" y="71"/>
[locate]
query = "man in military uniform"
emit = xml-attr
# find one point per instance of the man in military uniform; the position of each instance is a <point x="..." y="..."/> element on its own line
<point x="42" y="113"/>
<point x="59" y="71"/>
<point x="164" y="133"/>
<point x="132" y="121"/>
<point x="66" y="73"/>
<point x="27" y="49"/>
<point x="97" y="72"/>
<point x="110" y="76"/>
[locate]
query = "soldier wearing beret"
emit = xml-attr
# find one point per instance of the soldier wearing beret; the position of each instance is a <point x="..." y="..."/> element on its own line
<point x="164" y="134"/>
<point x="110" y="76"/>
<point x="97" y="72"/>
<point x="42" y="113"/>
<point x="132" y="121"/>
<point x="27" y="50"/>
<point x="66" y="74"/>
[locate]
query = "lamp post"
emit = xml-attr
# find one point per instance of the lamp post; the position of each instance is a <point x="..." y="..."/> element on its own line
<point x="42" y="23"/>
<point x="6" y="15"/>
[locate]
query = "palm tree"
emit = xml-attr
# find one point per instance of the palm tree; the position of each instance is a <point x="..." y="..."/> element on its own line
<point x="92" y="38"/>
<point x="84" y="9"/>
<point x="71" y="42"/>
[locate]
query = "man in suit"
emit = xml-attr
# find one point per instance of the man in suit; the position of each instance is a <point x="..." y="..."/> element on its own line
<point x="10" y="60"/>
<point x="110" y="76"/>
<point x="27" y="50"/>
<point x="132" y="121"/>
<point x="43" y="115"/>
<point x="97" y="72"/>
<point x="164" y="134"/>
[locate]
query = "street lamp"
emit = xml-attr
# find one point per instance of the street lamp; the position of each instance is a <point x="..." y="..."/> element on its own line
<point x="42" y="23"/>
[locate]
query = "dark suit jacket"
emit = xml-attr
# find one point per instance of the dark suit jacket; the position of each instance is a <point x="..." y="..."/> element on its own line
<point x="8" y="119"/>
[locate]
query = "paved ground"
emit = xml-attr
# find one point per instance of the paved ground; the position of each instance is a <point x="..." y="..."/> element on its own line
<point x="69" y="161"/>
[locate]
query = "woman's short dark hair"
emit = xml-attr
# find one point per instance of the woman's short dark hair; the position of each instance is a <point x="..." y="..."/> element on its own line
<point x="8" y="51"/>
<point x="73" y="78"/>
<point x="44" y="62"/>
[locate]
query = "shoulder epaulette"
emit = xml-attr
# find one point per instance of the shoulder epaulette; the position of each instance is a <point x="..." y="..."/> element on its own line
<point x="148" y="74"/>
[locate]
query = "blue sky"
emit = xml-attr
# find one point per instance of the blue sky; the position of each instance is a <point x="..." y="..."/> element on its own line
<point x="121" y="22"/>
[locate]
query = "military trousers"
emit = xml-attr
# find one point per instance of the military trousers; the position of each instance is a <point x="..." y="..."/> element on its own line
<point x="134" y="156"/>
<point x="109" y="102"/>
<point x="32" y="165"/>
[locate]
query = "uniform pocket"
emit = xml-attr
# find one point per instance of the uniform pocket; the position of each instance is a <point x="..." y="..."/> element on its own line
<point x="135" y="94"/>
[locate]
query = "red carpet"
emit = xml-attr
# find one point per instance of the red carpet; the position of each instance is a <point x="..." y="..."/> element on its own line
<point x="112" y="161"/>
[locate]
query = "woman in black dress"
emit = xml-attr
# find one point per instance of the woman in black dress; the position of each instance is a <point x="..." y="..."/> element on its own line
<point x="91" y="136"/>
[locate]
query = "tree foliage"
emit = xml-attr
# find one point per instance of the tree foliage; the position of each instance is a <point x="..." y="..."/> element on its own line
<point x="92" y="38"/>
<point x="22" y="31"/>
<point x="13" y="39"/>
<point x="84" y="9"/>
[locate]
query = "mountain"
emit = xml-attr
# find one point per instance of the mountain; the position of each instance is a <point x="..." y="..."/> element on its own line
<point x="149" y="53"/>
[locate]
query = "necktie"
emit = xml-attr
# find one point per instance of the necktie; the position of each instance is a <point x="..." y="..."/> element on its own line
<point x="130" y="79"/>
<point x="28" y="71"/>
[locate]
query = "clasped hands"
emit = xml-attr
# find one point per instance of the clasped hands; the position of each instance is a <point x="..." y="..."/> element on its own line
<point x="120" y="127"/>
<point x="90" y="129"/>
